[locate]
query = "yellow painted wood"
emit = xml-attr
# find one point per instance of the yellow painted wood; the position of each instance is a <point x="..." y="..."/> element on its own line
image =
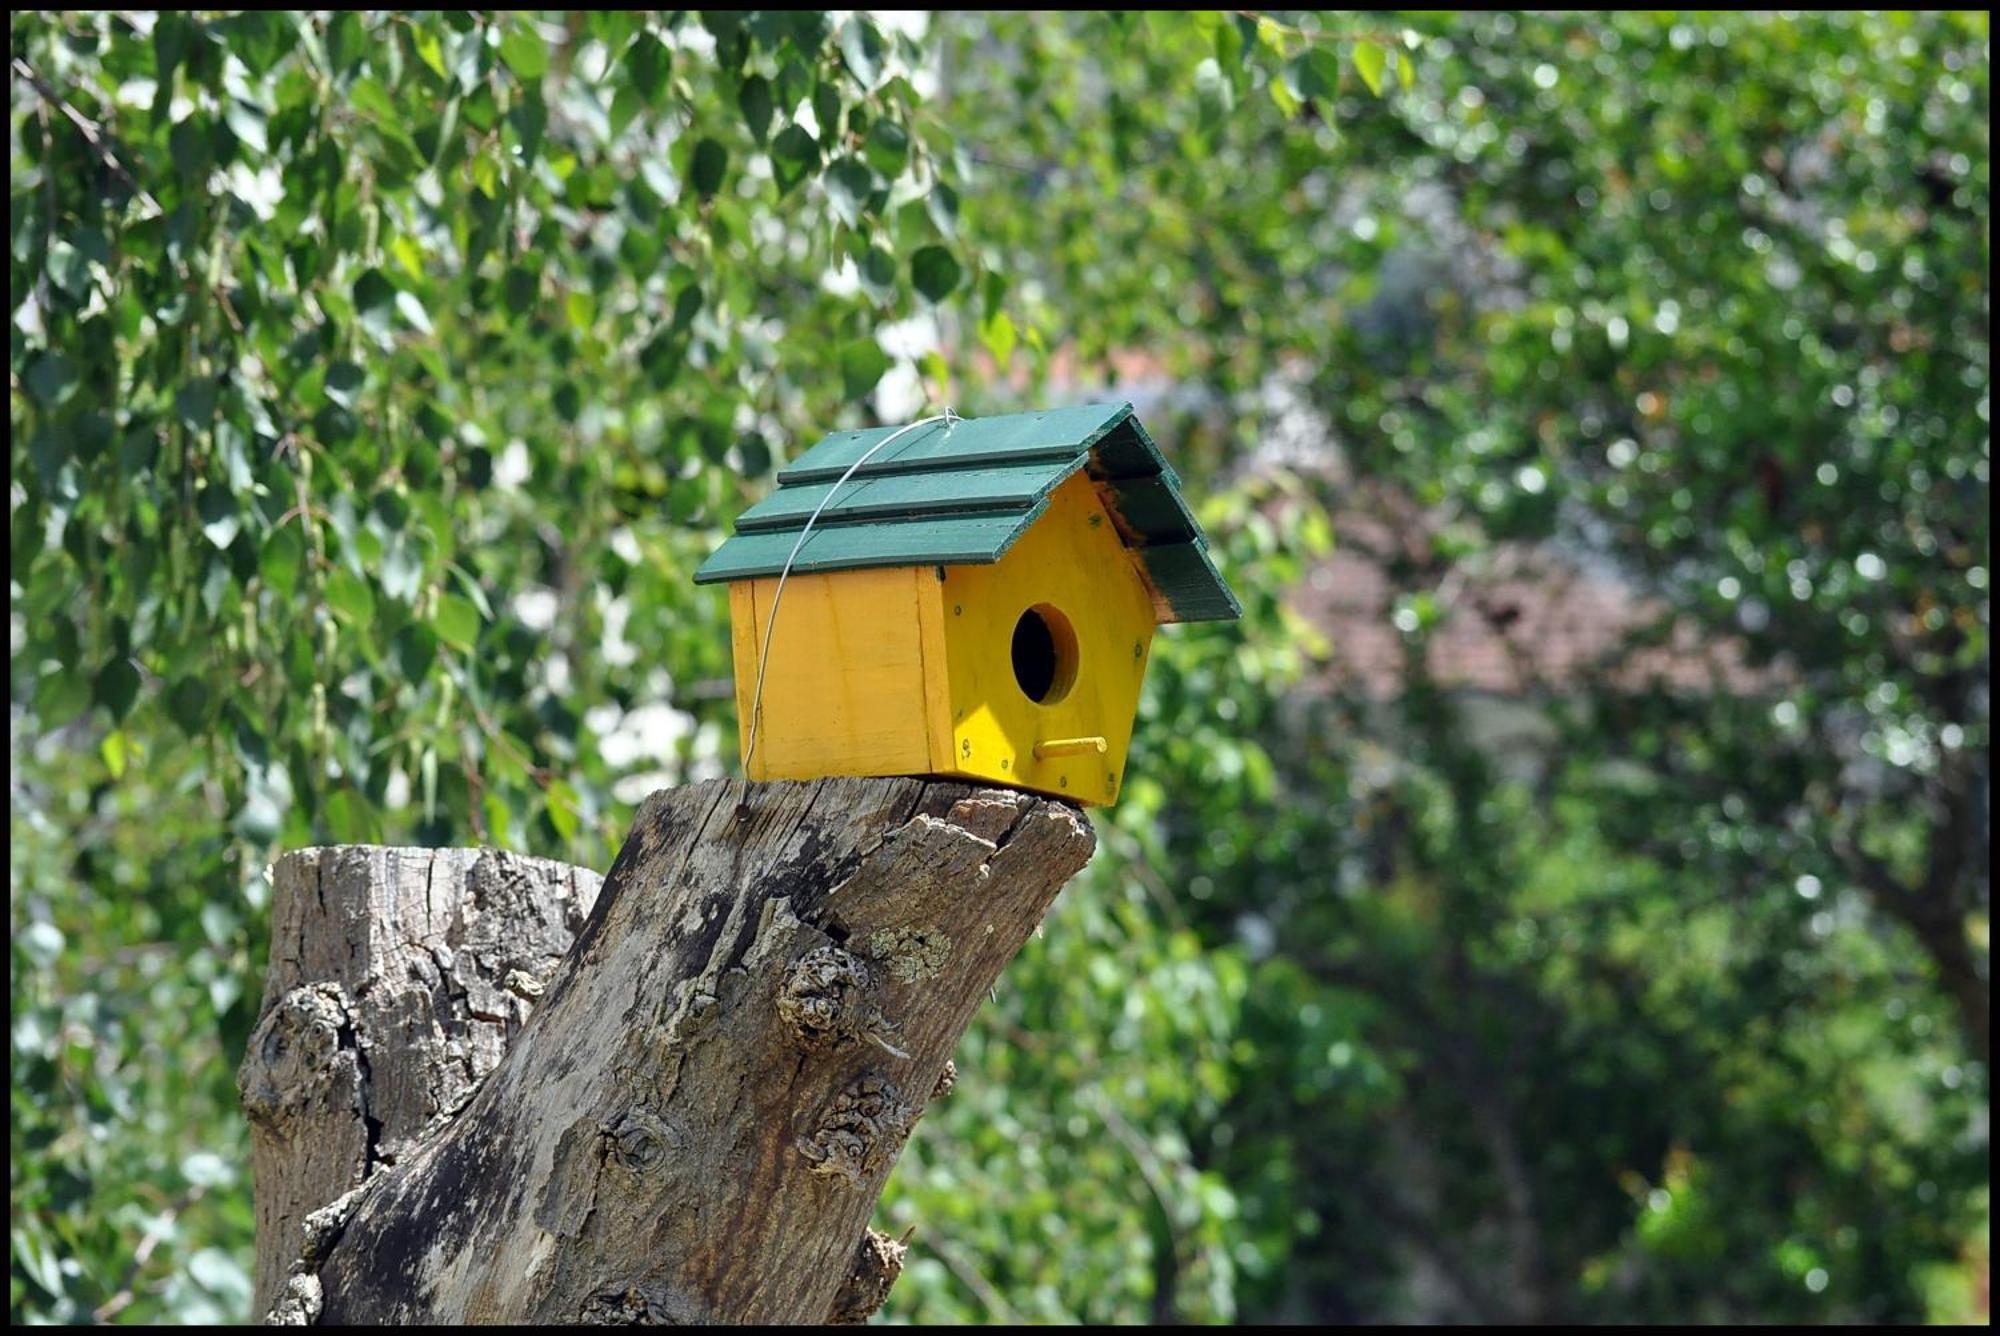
<point x="1071" y="561"/>
<point x="937" y="680"/>
<point x="844" y="686"/>
<point x="1070" y="747"/>
<point x="743" y="659"/>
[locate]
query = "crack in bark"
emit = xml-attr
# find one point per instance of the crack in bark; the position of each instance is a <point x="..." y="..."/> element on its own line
<point x="366" y="1044"/>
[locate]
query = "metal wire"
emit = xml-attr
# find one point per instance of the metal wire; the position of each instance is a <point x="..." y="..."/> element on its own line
<point x="948" y="417"/>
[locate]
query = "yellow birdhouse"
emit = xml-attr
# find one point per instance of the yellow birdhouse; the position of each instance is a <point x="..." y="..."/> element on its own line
<point x="971" y="597"/>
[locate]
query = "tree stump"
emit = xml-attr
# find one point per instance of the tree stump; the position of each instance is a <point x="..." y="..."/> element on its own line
<point x="484" y="1089"/>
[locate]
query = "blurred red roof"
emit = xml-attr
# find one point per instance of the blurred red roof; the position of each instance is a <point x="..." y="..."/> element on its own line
<point x="1518" y="619"/>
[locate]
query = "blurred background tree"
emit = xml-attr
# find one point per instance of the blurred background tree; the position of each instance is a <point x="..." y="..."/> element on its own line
<point x="1564" y="898"/>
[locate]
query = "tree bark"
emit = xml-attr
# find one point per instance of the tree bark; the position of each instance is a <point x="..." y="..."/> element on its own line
<point x="398" y="978"/>
<point x="695" y="1121"/>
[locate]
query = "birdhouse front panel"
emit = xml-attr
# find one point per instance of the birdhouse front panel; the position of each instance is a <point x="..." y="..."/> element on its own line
<point x="973" y="598"/>
<point x="1046" y="650"/>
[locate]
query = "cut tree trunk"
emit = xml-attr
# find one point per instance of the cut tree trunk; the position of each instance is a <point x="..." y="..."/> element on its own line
<point x="398" y="978"/>
<point x="687" y="1113"/>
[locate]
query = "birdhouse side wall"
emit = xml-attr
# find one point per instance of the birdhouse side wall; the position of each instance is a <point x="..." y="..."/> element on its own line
<point x="1072" y="564"/>
<point x="844" y="686"/>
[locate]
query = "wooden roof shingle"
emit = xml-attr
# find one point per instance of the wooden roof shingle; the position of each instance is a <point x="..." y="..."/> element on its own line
<point x="960" y="493"/>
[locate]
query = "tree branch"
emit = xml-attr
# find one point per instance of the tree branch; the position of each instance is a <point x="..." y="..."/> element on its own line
<point x="88" y="129"/>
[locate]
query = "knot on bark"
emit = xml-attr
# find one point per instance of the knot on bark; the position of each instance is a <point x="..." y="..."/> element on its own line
<point x="911" y="954"/>
<point x="300" y="1045"/>
<point x="640" y="1141"/>
<point x="825" y="1001"/>
<point x="639" y="1306"/>
<point x="860" y="1132"/>
<point x="878" y="1261"/>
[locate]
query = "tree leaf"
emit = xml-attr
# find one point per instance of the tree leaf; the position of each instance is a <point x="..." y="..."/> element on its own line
<point x="68" y="269"/>
<point x="374" y="304"/>
<point x="343" y="383"/>
<point x="862" y="364"/>
<point x="887" y="148"/>
<point x="878" y="275"/>
<point x="429" y="50"/>
<point x="1318" y="72"/>
<point x="849" y="184"/>
<point x="116" y="686"/>
<point x="861" y="47"/>
<point x="456" y="622"/>
<point x="413" y="311"/>
<point x="401" y="569"/>
<point x="942" y="206"/>
<point x="1370" y="62"/>
<point x="366" y="95"/>
<point x="348" y="595"/>
<point x="687" y="305"/>
<point x="794" y="153"/>
<point x="562" y="809"/>
<point x="997" y="333"/>
<point x="248" y="124"/>
<point x="826" y="105"/>
<point x="194" y="402"/>
<point x="754" y="100"/>
<point x="524" y="50"/>
<point x="188" y="704"/>
<point x="50" y="378"/>
<point x="112" y="749"/>
<point x="707" y="167"/>
<point x="935" y="272"/>
<point x="649" y="63"/>
<point x="220" y="519"/>
<point x="626" y="104"/>
<point x="1280" y="88"/>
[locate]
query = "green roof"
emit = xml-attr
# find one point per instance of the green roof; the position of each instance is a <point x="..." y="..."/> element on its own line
<point x="961" y="493"/>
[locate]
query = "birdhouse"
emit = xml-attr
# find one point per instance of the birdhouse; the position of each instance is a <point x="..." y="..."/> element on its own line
<point x="972" y="597"/>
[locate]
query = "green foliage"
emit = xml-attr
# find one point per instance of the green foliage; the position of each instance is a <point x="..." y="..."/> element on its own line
<point x="1064" y="1085"/>
<point x="1710" y="983"/>
<point x="130" y="998"/>
<point x="313" y="316"/>
<point x="294" y="378"/>
<point x="377" y="382"/>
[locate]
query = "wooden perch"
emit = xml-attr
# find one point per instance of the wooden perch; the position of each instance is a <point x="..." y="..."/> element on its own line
<point x="685" y="1114"/>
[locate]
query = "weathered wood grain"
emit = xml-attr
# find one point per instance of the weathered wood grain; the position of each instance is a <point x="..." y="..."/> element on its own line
<point x="397" y="980"/>
<point x="695" y="1122"/>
